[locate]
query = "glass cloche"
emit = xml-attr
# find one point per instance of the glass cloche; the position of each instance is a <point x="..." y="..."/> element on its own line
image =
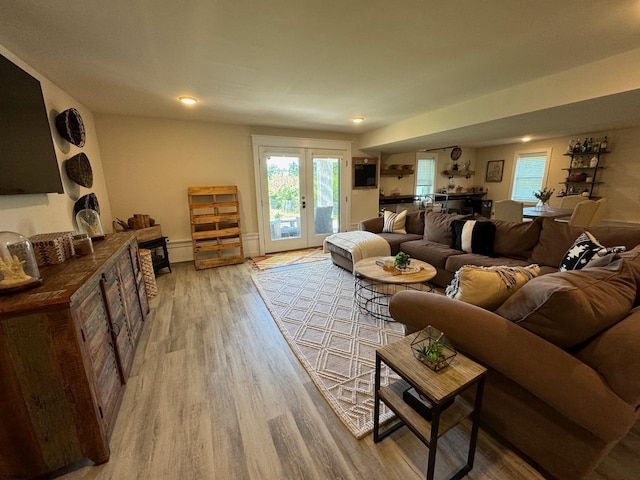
<point x="89" y="222"/>
<point x="18" y="265"/>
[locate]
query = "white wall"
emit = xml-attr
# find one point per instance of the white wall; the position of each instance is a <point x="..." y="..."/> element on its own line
<point x="149" y="163"/>
<point x="620" y="173"/>
<point x="46" y="213"/>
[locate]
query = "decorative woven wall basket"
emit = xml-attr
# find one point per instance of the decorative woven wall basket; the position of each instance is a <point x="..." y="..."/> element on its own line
<point x="88" y="201"/>
<point x="70" y="125"/>
<point x="78" y="169"/>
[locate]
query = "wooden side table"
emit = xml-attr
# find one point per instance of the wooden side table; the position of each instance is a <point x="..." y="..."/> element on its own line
<point x="375" y="286"/>
<point x="439" y="387"/>
<point x="159" y="253"/>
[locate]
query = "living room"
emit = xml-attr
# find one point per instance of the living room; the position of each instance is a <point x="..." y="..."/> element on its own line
<point x="145" y="163"/>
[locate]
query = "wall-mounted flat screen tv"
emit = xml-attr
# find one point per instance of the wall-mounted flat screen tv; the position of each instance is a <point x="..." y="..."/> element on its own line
<point x="365" y="175"/>
<point x="28" y="161"/>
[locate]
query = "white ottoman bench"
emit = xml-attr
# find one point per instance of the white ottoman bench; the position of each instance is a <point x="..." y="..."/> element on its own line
<point x="347" y="248"/>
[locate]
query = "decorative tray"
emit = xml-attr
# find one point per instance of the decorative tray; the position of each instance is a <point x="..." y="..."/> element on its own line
<point x="408" y="270"/>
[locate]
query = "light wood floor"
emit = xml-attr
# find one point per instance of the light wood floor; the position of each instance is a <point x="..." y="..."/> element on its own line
<point x="216" y="393"/>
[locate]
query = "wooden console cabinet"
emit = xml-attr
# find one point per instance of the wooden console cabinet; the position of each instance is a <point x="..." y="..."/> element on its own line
<point x="66" y="350"/>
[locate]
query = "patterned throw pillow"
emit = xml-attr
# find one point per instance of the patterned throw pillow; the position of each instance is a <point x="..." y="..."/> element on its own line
<point x="472" y="236"/>
<point x="394" y="222"/>
<point x="489" y="287"/>
<point x="587" y="252"/>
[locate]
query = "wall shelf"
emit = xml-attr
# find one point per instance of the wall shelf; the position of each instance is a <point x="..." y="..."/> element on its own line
<point x="577" y="166"/>
<point x="459" y="173"/>
<point x="396" y="172"/>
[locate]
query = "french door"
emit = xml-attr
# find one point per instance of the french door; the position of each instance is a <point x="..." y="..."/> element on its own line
<point x="300" y="196"/>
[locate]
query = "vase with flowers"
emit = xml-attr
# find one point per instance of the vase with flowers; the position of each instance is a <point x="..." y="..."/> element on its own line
<point x="543" y="197"/>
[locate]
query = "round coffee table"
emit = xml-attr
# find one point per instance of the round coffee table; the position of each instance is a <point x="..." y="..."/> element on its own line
<point x="375" y="286"/>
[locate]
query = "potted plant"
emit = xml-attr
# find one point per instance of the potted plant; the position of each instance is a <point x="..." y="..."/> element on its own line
<point x="402" y="261"/>
<point x="543" y="197"/>
<point x="432" y="348"/>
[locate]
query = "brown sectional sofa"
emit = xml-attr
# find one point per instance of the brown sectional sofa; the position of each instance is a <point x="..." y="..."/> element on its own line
<point x="563" y="351"/>
<point x="543" y="241"/>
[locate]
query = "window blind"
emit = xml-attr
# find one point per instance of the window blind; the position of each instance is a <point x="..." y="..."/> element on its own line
<point x="425" y="174"/>
<point x="528" y="176"/>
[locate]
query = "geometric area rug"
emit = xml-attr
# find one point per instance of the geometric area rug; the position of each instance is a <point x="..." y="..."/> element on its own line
<point x="288" y="258"/>
<point x="313" y="306"/>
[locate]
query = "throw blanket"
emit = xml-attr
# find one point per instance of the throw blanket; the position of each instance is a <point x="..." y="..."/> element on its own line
<point x="360" y="244"/>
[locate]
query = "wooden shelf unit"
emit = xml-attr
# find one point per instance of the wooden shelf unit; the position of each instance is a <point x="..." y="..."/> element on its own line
<point x="215" y="226"/>
<point x="581" y="163"/>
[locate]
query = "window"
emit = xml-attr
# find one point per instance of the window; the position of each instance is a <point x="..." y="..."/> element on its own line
<point x="529" y="174"/>
<point x="425" y="174"/>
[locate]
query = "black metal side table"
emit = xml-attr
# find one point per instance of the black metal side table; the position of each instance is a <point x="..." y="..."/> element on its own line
<point x="441" y="388"/>
<point x="159" y="253"/>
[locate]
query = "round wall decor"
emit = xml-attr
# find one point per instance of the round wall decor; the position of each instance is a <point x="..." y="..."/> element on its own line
<point x="70" y="126"/>
<point x="88" y="201"/>
<point x="78" y="169"/>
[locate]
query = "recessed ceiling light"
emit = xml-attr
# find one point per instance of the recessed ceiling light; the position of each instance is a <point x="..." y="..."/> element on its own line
<point x="357" y="120"/>
<point x="526" y="139"/>
<point x="188" y="100"/>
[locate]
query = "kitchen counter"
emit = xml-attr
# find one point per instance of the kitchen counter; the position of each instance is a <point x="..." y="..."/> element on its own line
<point x="395" y="199"/>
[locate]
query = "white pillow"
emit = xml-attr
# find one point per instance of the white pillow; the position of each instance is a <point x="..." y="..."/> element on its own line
<point x="489" y="287"/>
<point x="394" y="222"/>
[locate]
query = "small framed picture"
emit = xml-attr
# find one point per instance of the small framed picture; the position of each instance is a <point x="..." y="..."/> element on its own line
<point x="494" y="170"/>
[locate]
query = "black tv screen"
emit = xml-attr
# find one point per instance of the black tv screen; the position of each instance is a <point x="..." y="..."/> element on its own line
<point x="28" y="161"/>
<point x="365" y="175"/>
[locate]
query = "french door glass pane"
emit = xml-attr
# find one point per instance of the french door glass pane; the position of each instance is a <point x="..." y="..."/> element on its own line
<point x="326" y="195"/>
<point x="283" y="178"/>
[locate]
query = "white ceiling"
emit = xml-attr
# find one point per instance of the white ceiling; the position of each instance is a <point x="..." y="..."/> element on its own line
<point x="316" y="64"/>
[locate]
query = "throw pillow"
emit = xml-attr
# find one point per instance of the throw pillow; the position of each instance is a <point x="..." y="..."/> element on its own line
<point x="567" y="308"/>
<point x="489" y="287"/>
<point x="514" y="239"/>
<point x="587" y="252"/>
<point x="437" y="226"/>
<point x="472" y="236"/>
<point x="394" y="222"/>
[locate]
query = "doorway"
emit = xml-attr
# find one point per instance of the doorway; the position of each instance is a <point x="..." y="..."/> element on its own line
<point x="300" y="196"/>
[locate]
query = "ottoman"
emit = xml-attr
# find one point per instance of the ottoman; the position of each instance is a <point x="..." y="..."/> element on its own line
<point x="347" y="248"/>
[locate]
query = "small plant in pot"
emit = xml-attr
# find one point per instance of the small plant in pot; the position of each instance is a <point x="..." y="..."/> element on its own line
<point x="432" y="352"/>
<point x="432" y="348"/>
<point x="402" y="261"/>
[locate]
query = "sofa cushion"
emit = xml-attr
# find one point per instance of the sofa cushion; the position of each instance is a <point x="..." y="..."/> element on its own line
<point x="396" y="239"/>
<point x="615" y="355"/>
<point x="394" y="222"/>
<point x="632" y="257"/>
<point x="473" y="236"/>
<point x="629" y="236"/>
<point x="554" y="241"/>
<point x="437" y="226"/>
<point x="556" y="238"/>
<point x="455" y="262"/>
<point x="415" y="222"/>
<point x="514" y="239"/>
<point x="489" y="287"/>
<point x="431" y="252"/>
<point x="567" y="308"/>
<point x="587" y="252"/>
